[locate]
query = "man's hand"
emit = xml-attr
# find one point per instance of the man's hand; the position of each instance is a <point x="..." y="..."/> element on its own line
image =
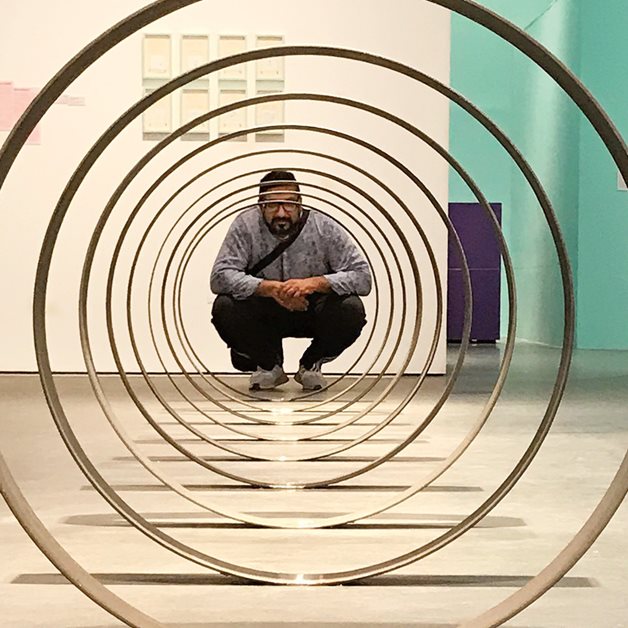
<point x="303" y="287"/>
<point x="274" y="289"/>
<point x="294" y="304"/>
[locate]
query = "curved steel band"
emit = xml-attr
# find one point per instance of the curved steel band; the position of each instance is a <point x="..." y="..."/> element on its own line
<point x="177" y="315"/>
<point x="117" y="194"/>
<point x="184" y="339"/>
<point x="355" y="517"/>
<point x="328" y="430"/>
<point x="427" y="548"/>
<point x="244" y="103"/>
<point x="570" y="84"/>
<point x="189" y="251"/>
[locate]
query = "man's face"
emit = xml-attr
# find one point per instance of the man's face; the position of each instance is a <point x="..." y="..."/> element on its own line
<point x="281" y="208"/>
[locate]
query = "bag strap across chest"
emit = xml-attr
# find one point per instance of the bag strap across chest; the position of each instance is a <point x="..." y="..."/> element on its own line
<point x="281" y="247"/>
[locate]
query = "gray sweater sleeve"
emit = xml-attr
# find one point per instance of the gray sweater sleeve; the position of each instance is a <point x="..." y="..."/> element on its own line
<point x="228" y="275"/>
<point x="350" y="273"/>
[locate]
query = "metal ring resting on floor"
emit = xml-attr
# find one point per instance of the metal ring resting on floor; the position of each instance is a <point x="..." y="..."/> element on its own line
<point x="387" y="564"/>
<point x="181" y="333"/>
<point x="140" y="165"/>
<point x="604" y="128"/>
<point x="177" y="321"/>
<point x="180" y="327"/>
<point x="153" y="221"/>
<point x="300" y="397"/>
<point x="214" y="419"/>
<point x="383" y="114"/>
<point x="321" y="173"/>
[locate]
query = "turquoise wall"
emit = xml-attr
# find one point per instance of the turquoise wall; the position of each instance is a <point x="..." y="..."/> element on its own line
<point x="544" y="124"/>
<point x="603" y="216"/>
<point x="555" y="138"/>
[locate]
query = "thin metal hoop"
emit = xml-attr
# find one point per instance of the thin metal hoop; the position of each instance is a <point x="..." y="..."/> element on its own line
<point x="532" y="49"/>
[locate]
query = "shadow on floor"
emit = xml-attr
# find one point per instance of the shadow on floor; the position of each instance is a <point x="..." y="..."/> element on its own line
<point x="392" y="521"/>
<point x="389" y="580"/>
<point x="377" y="488"/>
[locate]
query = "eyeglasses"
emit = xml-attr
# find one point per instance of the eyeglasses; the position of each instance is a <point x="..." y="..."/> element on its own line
<point x="288" y="206"/>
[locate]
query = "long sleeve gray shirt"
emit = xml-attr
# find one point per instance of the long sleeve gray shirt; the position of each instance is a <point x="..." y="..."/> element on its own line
<point x="322" y="248"/>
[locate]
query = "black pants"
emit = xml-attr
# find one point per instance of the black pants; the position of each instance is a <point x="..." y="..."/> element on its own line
<point x="254" y="328"/>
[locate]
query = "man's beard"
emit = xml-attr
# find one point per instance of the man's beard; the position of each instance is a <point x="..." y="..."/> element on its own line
<point x="281" y="227"/>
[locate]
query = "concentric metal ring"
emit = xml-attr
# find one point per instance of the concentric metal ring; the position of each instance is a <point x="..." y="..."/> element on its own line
<point x="617" y="149"/>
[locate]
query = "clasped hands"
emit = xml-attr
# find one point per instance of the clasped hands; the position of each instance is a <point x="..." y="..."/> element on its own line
<point x="292" y="293"/>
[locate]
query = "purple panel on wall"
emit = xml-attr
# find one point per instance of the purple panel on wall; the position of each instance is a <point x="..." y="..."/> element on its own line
<point x="480" y="245"/>
<point x="485" y="285"/>
<point x="477" y="234"/>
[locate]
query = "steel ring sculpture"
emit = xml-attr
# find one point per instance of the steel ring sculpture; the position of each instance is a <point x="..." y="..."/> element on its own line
<point x="561" y="75"/>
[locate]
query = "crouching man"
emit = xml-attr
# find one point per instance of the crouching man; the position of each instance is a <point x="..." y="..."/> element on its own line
<point x="285" y="271"/>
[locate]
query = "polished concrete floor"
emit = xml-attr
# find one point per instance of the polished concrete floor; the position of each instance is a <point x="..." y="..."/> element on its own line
<point x="513" y="543"/>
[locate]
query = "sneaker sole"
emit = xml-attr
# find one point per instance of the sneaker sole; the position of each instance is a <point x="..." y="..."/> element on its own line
<point x="257" y="387"/>
<point x="298" y="381"/>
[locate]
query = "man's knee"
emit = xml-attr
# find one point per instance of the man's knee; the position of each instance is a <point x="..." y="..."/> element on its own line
<point x="353" y="311"/>
<point x="223" y="310"/>
<point x="230" y="314"/>
<point x="347" y="313"/>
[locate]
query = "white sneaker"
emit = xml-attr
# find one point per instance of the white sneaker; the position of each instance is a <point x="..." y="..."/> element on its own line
<point x="267" y="380"/>
<point x="310" y="379"/>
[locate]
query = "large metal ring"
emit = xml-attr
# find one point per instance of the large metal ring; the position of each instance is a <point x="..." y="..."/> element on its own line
<point x="586" y="103"/>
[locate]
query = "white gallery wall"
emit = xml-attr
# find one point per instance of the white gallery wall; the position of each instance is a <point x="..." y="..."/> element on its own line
<point x="38" y="37"/>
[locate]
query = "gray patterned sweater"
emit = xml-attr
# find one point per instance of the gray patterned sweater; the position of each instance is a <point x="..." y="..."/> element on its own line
<point x="322" y="248"/>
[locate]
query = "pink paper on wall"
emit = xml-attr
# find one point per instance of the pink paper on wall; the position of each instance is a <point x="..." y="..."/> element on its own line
<point x="6" y="106"/>
<point x="22" y="97"/>
<point x="15" y="100"/>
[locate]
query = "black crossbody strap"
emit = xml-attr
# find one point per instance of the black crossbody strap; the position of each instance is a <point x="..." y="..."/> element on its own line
<point x="281" y="247"/>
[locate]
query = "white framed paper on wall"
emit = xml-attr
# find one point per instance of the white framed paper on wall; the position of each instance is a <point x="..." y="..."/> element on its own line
<point x="269" y="69"/>
<point x="231" y="45"/>
<point x="269" y="113"/>
<point x="194" y="103"/>
<point x="157" y="57"/>
<point x="158" y="117"/>
<point x="194" y="51"/>
<point x="234" y="120"/>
